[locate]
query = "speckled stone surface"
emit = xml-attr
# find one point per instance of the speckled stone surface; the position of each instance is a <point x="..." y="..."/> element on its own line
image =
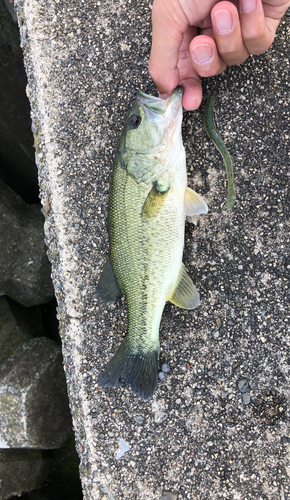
<point x="218" y="426"/>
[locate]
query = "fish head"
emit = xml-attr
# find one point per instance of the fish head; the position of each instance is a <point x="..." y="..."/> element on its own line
<point x="151" y="137"/>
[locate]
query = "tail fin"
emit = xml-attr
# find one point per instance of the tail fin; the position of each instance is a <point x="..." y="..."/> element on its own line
<point x="136" y="369"/>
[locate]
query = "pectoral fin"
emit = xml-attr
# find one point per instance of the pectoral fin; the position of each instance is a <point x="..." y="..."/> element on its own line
<point x="185" y="294"/>
<point x="155" y="200"/>
<point x="194" y="203"/>
<point x="108" y="289"/>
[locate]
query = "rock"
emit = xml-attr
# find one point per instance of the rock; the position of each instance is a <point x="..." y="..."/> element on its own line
<point x="139" y="419"/>
<point x="11" y="336"/>
<point x="246" y="397"/>
<point x="18" y="325"/>
<point x="18" y="166"/>
<point x="63" y="480"/>
<point x="159" y="411"/>
<point x="33" y="399"/>
<point x="243" y="385"/>
<point x="244" y="388"/>
<point x="22" y="471"/>
<point x="123" y="447"/>
<point x="24" y="266"/>
<point x="37" y="495"/>
<point x="168" y="496"/>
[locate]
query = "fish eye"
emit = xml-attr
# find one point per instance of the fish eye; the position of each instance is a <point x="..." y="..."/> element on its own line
<point x="135" y="121"/>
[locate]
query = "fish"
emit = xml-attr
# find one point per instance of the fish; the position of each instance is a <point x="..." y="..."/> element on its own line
<point x="149" y="201"/>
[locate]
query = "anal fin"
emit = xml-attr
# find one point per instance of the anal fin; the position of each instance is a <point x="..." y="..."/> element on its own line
<point x="108" y="289"/>
<point x="185" y="294"/>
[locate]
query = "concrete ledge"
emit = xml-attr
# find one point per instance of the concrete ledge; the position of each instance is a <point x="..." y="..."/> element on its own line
<point x="218" y="426"/>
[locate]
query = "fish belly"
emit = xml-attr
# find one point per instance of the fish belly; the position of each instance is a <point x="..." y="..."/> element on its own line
<point x="146" y="252"/>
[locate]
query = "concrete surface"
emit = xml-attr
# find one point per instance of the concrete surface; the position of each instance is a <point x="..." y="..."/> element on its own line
<point x="218" y="426"/>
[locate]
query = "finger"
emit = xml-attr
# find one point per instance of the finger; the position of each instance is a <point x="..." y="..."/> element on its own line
<point x="275" y="9"/>
<point x="227" y="33"/>
<point x="192" y="95"/>
<point x="204" y="56"/>
<point x="257" y="30"/>
<point x="167" y="35"/>
<point x="189" y="79"/>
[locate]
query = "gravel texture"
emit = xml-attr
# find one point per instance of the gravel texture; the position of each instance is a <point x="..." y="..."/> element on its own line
<point x="218" y="426"/>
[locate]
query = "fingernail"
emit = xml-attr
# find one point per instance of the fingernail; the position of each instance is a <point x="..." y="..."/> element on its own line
<point x="202" y="53"/>
<point x="163" y="96"/>
<point x="248" y="6"/>
<point x="223" y="21"/>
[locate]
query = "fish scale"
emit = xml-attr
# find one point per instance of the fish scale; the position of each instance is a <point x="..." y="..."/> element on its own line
<point x="151" y="257"/>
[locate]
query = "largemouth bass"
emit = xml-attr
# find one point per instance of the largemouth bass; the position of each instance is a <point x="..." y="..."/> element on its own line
<point x="148" y="203"/>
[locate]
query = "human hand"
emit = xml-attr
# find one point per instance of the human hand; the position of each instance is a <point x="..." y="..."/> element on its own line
<point x="193" y="38"/>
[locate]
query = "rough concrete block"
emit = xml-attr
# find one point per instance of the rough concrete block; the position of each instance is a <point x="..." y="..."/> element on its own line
<point x="11" y="336"/>
<point x="33" y="400"/>
<point x="22" y="471"/>
<point x="37" y="495"/>
<point x="24" y="267"/>
<point x="18" y="167"/>
<point x="18" y="325"/>
<point x="63" y="481"/>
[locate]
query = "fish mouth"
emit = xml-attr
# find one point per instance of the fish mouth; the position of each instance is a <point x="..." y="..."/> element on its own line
<point x="170" y="106"/>
<point x="166" y="115"/>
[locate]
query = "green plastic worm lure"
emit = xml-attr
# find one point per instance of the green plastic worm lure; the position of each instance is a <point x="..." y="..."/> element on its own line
<point x="220" y="145"/>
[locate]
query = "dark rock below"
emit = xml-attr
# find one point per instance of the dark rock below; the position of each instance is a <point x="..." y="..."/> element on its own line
<point x="24" y="266"/>
<point x="21" y="471"/>
<point x="18" y="325"/>
<point x="17" y="163"/>
<point x="33" y="399"/>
